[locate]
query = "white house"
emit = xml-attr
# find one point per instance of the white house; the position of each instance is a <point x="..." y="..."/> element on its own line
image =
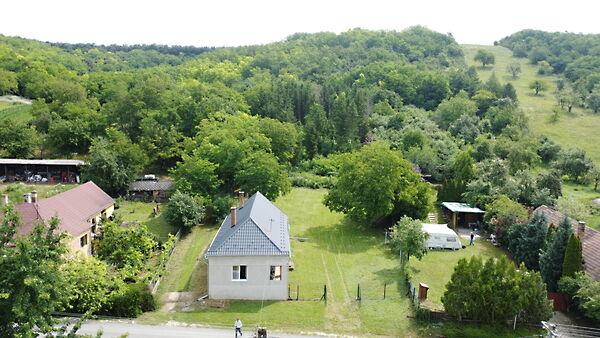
<point x="441" y="237"/>
<point x="250" y="255"/>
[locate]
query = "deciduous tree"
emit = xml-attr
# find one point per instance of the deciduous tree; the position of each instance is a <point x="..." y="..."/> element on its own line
<point x="485" y="57"/>
<point x="408" y="239"/>
<point x="375" y="184"/>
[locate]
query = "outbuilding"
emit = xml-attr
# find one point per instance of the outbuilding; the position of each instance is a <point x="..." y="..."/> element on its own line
<point x="249" y="258"/>
<point x="441" y="237"/>
<point x="39" y="171"/>
<point x="462" y="214"/>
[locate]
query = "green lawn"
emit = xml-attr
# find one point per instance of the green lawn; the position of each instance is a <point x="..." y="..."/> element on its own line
<point x="579" y="129"/>
<point x="436" y="267"/>
<point x="15" y="111"/>
<point x="131" y="211"/>
<point x="186" y="271"/>
<point x="334" y="253"/>
<point x="584" y="194"/>
<point x="16" y="191"/>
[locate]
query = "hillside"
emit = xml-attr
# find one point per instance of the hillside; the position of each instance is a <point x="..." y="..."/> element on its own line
<point x="578" y="129"/>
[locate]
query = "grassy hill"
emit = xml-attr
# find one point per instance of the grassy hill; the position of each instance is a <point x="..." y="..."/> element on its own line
<point x="14" y="111"/>
<point x="578" y="129"/>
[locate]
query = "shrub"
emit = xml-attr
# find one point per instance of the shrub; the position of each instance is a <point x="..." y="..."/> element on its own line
<point x="129" y="300"/>
<point x="122" y="247"/>
<point x="309" y="180"/>
<point x="185" y="210"/>
<point x="496" y="291"/>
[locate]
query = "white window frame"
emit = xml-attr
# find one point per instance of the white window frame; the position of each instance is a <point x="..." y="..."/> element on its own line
<point x="236" y="273"/>
<point x="273" y="273"/>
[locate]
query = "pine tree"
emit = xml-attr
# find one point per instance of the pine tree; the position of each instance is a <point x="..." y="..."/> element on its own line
<point x="573" y="261"/>
<point x="526" y="241"/>
<point x="552" y="257"/>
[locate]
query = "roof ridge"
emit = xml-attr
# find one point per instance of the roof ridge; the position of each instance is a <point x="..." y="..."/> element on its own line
<point x="262" y="231"/>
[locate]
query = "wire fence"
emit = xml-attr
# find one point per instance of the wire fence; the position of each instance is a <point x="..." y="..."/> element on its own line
<point x="345" y="292"/>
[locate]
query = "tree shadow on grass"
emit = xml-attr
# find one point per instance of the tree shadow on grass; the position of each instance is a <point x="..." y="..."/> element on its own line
<point x="344" y="237"/>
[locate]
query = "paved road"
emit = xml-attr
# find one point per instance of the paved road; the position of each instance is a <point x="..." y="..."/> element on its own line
<point x="117" y="329"/>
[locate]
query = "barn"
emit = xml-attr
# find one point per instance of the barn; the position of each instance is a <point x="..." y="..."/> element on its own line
<point x="40" y="171"/>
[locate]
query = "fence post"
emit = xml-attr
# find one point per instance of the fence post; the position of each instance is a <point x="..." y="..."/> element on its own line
<point x="325" y="292"/>
<point x="289" y="293"/>
<point x="358" y="293"/>
<point x="384" y="287"/>
<point x="297" y="291"/>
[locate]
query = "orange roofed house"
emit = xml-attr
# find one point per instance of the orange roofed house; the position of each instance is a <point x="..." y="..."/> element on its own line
<point x="80" y="210"/>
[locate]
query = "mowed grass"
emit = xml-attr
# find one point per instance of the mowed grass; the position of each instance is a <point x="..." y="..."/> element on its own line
<point x="184" y="262"/>
<point x="15" y="112"/>
<point x="585" y="195"/>
<point x="436" y="268"/>
<point x="141" y="212"/>
<point x="333" y="253"/>
<point x="16" y="191"/>
<point x="578" y="129"/>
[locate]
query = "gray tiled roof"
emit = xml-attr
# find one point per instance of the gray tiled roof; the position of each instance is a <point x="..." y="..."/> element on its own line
<point x="150" y="186"/>
<point x="261" y="230"/>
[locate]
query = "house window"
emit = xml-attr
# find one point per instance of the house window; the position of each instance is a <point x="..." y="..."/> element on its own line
<point x="239" y="272"/>
<point x="275" y="272"/>
<point x="83" y="240"/>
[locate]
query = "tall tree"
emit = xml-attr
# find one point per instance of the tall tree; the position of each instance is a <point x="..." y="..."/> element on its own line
<point x="573" y="262"/>
<point x="552" y="257"/>
<point x="376" y="184"/>
<point x="527" y="240"/>
<point x="114" y="162"/>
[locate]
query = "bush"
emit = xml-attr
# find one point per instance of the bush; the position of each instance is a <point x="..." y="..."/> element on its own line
<point x="185" y="210"/>
<point x="129" y="300"/>
<point x="309" y="180"/>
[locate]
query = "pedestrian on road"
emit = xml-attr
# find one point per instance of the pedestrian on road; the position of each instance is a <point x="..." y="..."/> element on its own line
<point x="472" y="239"/>
<point x="238" y="327"/>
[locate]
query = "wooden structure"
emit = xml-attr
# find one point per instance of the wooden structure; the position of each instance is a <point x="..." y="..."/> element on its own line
<point x="40" y="171"/>
<point x="462" y="214"/>
<point x="150" y="190"/>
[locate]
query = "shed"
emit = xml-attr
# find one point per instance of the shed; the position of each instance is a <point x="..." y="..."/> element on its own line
<point x="150" y="190"/>
<point x="441" y="237"/>
<point x="39" y="171"/>
<point x="462" y="214"/>
<point x="249" y="257"/>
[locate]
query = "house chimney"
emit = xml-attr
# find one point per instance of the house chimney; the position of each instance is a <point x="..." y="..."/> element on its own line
<point x="34" y="196"/>
<point x="580" y="229"/>
<point x="5" y="199"/>
<point x="233" y="216"/>
<point x="241" y="198"/>
<point x="27" y="198"/>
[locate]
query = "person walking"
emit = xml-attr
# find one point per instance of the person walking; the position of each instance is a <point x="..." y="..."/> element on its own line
<point x="238" y="327"/>
<point x="472" y="243"/>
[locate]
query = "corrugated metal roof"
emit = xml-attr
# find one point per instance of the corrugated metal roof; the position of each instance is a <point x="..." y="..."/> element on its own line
<point x="40" y="162"/>
<point x="261" y="229"/>
<point x="151" y="185"/>
<point x="462" y="207"/>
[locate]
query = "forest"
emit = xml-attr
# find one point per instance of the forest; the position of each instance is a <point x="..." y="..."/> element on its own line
<point x="284" y="106"/>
